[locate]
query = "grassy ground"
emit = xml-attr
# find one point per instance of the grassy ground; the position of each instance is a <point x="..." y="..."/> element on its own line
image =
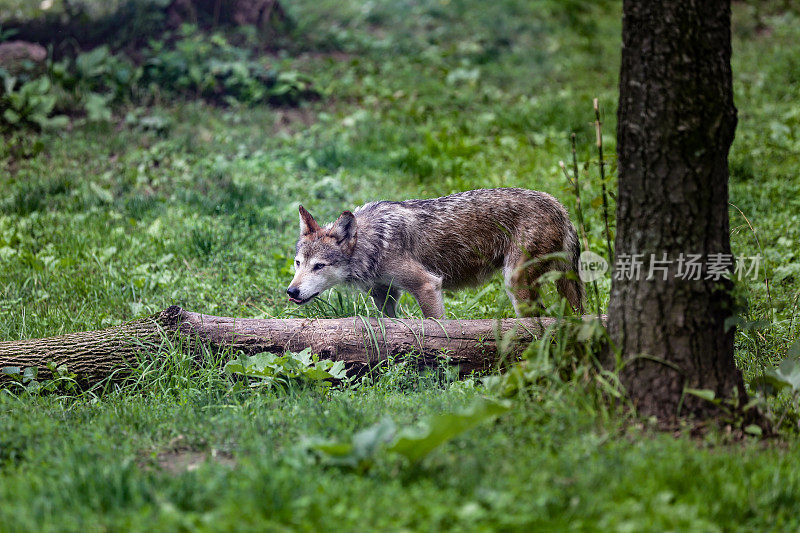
<point x="111" y="222"/>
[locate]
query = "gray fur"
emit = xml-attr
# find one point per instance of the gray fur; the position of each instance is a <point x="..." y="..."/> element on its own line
<point x="424" y="246"/>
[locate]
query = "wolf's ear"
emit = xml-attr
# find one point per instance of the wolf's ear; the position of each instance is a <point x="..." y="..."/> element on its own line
<point x="344" y="231"/>
<point x="307" y="223"/>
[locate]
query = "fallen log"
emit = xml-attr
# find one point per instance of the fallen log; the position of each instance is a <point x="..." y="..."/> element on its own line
<point x="360" y="342"/>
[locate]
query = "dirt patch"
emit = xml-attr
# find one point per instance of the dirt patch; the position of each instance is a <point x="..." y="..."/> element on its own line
<point x="292" y="120"/>
<point x="178" y="462"/>
<point x="178" y="456"/>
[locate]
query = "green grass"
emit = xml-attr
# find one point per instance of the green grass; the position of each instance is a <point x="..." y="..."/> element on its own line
<point x="109" y="223"/>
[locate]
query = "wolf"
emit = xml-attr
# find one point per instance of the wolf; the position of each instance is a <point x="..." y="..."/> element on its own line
<point x="424" y="246"/>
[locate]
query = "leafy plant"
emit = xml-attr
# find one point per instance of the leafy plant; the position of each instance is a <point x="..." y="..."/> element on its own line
<point x="563" y="354"/>
<point x="27" y="104"/>
<point x="26" y="378"/>
<point x="209" y="66"/>
<point x="20" y="146"/>
<point x="87" y="83"/>
<point x="190" y="64"/>
<point x="734" y="412"/>
<point x="91" y="81"/>
<point x="288" y="371"/>
<point x="784" y="377"/>
<point x="413" y="443"/>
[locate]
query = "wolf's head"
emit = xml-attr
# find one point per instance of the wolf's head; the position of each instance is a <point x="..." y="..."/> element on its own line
<point x="322" y="255"/>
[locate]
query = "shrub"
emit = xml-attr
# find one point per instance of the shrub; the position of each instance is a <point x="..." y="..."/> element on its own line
<point x="27" y="104"/>
<point x="210" y="67"/>
<point x="189" y="64"/>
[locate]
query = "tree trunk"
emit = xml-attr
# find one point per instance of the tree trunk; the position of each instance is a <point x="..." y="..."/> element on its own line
<point x="360" y="343"/>
<point x="676" y="122"/>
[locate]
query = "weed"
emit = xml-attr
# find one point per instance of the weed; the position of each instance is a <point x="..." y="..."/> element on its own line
<point x="27" y="104"/>
<point x="62" y="380"/>
<point x="208" y="66"/>
<point x="289" y="372"/>
<point x="412" y="443"/>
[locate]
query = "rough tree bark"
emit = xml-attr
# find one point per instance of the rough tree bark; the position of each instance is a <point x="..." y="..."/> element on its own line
<point x="676" y="122"/>
<point x="360" y="343"/>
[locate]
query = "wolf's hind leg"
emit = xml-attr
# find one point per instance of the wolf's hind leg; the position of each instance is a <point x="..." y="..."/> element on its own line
<point x="428" y="292"/>
<point x="521" y="285"/>
<point x="572" y="290"/>
<point x="386" y="299"/>
<point x="432" y="303"/>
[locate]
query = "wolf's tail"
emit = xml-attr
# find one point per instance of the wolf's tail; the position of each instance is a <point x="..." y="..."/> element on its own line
<point x="571" y="287"/>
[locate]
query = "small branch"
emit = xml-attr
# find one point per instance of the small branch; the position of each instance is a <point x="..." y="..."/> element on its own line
<point x="598" y="130"/>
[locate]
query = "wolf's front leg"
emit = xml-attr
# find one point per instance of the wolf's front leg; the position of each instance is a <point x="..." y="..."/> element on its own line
<point x="386" y="299"/>
<point x="426" y="287"/>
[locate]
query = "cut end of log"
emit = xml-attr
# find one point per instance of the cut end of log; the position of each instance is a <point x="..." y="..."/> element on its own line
<point x="171" y="317"/>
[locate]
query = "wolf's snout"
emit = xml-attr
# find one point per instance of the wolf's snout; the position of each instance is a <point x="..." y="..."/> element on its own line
<point x="293" y="292"/>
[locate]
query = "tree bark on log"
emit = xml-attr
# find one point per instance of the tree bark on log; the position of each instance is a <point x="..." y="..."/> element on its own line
<point x="361" y="343"/>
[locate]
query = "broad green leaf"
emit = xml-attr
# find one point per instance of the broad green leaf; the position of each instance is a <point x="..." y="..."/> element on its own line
<point x="234" y="367"/>
<point x="787" y="374"/>
<point x="753" y="429"/>
<point x="262" y="360"/>
<point x="705" y="394"/>
<point x="92" y="63"/>
<point x="338" y="370"/>
<point x="333" y="449"/>
<point x="416" y="444"/>
<point x="304" y="357"/>
<point x="11" y="116"/>
<point x="30" y="373"/>
<point x="789" y="370"/>
<point x="360" y="451"/>
<point x="770" y="382"/>
<point x="40" y="85"/>
<point x="794" y="350"/>
<point x="368" y="441"/>
<point x="317" y="374"/>
<point x="97" y="109"/>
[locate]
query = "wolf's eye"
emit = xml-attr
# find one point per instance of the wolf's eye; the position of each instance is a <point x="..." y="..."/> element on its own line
<point x="319" y="266"/>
